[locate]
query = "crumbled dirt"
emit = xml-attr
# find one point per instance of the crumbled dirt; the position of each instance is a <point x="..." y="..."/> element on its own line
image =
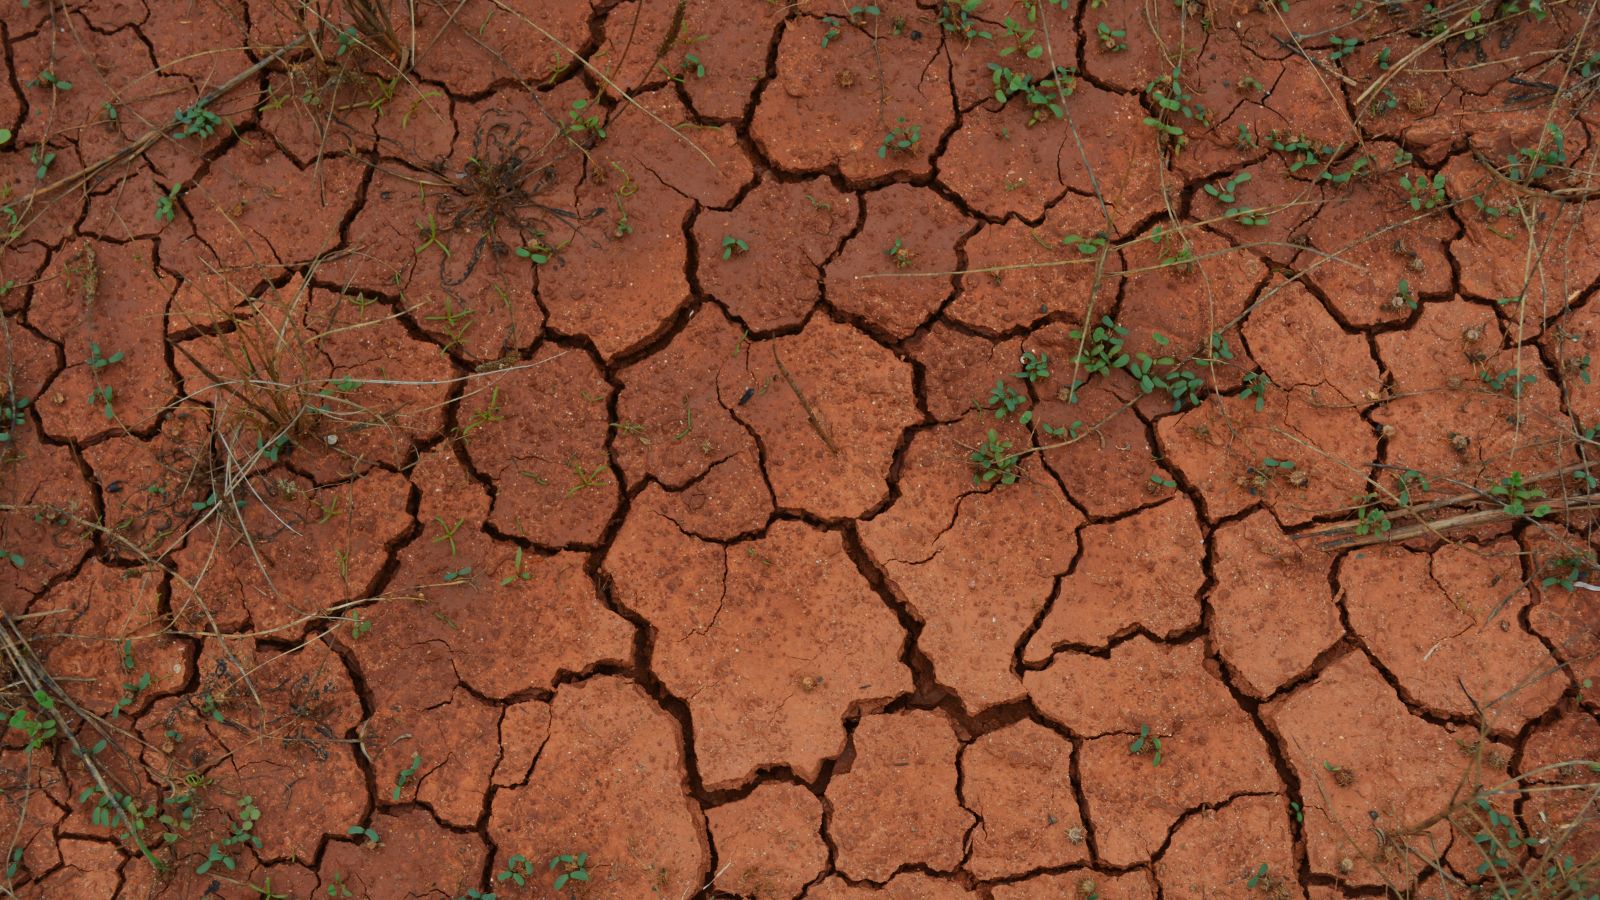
<point x="923" y="450"/>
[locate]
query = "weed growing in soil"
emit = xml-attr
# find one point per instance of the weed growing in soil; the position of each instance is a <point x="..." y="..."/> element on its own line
<point x="573" y="868"/>
<point x="1146" y="743"/>
<point x="902" y="138"/>
<point x="732" y="245"/>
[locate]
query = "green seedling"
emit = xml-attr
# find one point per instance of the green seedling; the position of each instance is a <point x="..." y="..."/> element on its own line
<point x="405" y="776"/>
<point x="5" y="136"/>
<point x="429" y="231"/>
<point x="732" y="245"/>
<point x="1161" y="481"/>
<point x="195" y="121"/>
<point x="214" y="856"/>
<point x="832" y="34"/>
<point x="899" y="255"/>
<point x="1515" y="497"/>
<point x="42" y="160"/>
<point x="1021" y="40"/>
<point x="49" y="79"/>
<point x="858" y="14"/>
<point x="1511" y="380"/>
<point x="1146" y="743"/>
<point x="1111" y="39"/>
<point x="13" y="412"/>
<point x="1042" y="96"/>
<point x="337" y="888"/>
<point x="536" y="252"/>
<point x="1035" y="367"/>
<point x="1255" y="385"/>
<point x="902" y="138"/>
<point x="1102" y="349"/>
<point x="97" y="361"/>
<point x="573" y="868"/>
<point x="448" y="533"/>
<point x="1004" y="400"/>
<point x="1260" y="879"/>
<point x="693" y="66"/>
<point x="1530" y="164"/>
<point x="165" y="210"/>
<point x="1569" y="569"/>
<point x="519" y="573"/>
<point x="518" y="870"/>
<point x="1425" y="193"/>
<point x="1371" y="517"/>
<point x="359" y="626"/>
<point x="1228" y="188"/>
<point x="363" y="831"/>
<point x="955" y="17"/>
<point x="581" y="119"/>
<point x="994" y="461"/>
<point x="1086" y="245"/>
<point x="1342" y="47"/>
<point x="462" y="574"/>
<point x="40" y="731"/>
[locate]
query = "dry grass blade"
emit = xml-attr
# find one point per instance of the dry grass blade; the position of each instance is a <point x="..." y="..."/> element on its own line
<point x="372" y="20"/>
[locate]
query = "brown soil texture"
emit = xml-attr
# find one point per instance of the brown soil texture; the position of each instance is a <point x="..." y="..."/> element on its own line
<point x="919" y="449"/>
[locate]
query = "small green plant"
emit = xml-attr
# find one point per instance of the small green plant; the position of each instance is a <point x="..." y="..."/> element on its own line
<point x="573" y="868"/>
<point x="955" y="17"/>
<point x="164" y="203"/>
<point x="363" y="831"/>
<point x="1516" y="496"/>
<point x="1043" y="96"/>
<point x="49" y="79"/>
<point x="337" y="888"/>
<point x="97" y="361"/>
<point x="1102" y="349"/>
<point x="1004" y="400"/>
<point x="732" y="245"/>
<point x="1371" y="517"/>
<point x="581" y="119"/>
<point x="1530" y="164"/>
<point x="858" y="14"/>
<point x="195" y="121"/>
<point x="518" y="572"/>
<point x="1342" y="47"/>
<point x="42" y="160"/>
<point x="994" y="461"/>
<point x="693" y="66"/>
<point x="832" y="34"/>
<point x="899" y="254"/>
<point x="1146" y="743"/>
<point x="448" y="533"/>
<point x="902" y="138"/>
<point x="1255" y="385"/>
<point x="13" y="412"/>
<point x="42" y="730"/>
<point x="214" y="856"/>
<point x="1035" y="367"/>
<point x="518" y="870"/>
<point x="429" y="231"/>
<point x="1111" y="39"/>
<point x="5" y="136"/>
<point x="1425" y="193"/>
<point x="1088" y="245"/>
<point x="458" y="575"/>
<point x="1511" y="380"/>
<point x="536" y="252"/>
<point x="1260" y="879"/>
<point x="404" y="777"/>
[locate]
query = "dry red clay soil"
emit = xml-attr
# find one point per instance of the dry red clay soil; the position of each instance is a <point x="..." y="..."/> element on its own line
<point x="1126" y="449"/>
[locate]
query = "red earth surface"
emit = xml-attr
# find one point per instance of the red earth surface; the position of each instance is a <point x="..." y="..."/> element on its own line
<point x="729" y="448"/>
